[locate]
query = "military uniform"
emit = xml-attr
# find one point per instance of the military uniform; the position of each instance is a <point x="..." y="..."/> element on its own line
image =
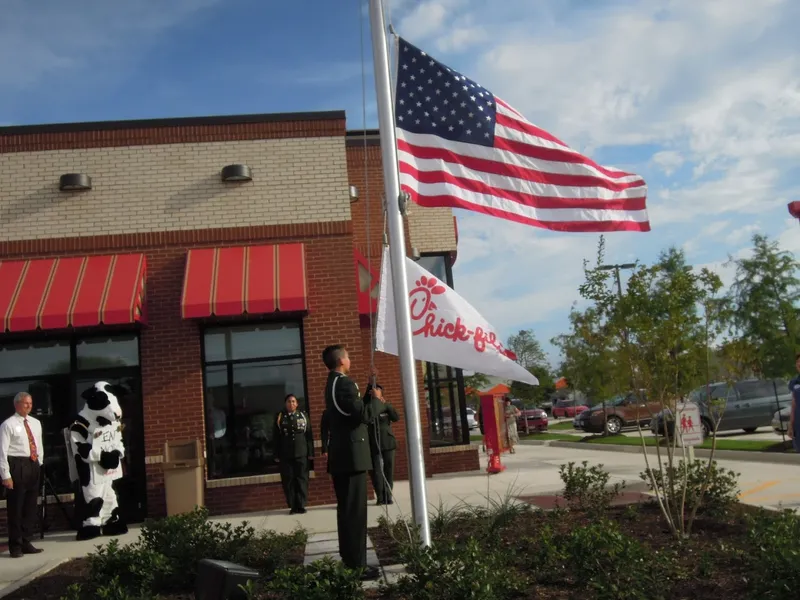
<point x="383" y="445"/>
<point x="294" y="447"/>
<point x="324" y="431"/>
<point x="349" y="460"/>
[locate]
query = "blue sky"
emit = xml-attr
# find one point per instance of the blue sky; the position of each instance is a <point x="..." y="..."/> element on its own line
<point x="701" y="97"/>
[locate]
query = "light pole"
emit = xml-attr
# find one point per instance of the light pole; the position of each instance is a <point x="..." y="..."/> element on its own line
<point x="616" y="269"/>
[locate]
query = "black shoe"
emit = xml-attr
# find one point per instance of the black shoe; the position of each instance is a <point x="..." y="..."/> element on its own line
<point x="28" y="548"/>
<point x="370" y="574"/>
<point x="390" y="501"/>
<point x="15" y="553"/>
<point x="292" y="512"/>
<point x="302" y="511"/>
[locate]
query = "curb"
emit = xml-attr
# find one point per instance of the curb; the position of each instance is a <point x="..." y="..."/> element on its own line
<point x="44" y="570"/>
<point x="738" y="455"/>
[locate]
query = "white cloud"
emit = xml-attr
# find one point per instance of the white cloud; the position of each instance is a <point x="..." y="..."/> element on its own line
<point x="668" y="160"/>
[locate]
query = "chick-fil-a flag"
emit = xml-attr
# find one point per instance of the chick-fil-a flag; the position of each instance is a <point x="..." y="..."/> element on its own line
<point x="446" y="329"/>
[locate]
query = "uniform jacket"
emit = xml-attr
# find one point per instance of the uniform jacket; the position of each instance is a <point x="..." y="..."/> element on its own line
<point x="348" y="416"/>
<point x="292" y="436"/>
<point x="325" y="431"/>
<point x="385" y="438"/>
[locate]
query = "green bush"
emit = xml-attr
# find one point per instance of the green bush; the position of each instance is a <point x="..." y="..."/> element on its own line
<point x="586" y="488"/>
<point x="135" y="567"/>
<point x="451" y="572"/>
<point x="721" y="494"/>
<point x="112" y="590"/>
<point x="187" y="538"/>
<point x="544" y="555"/>
<point x="324" y="579"/>
<point x="774" y="558"/>
<point x="269" y="551"/>
<point x="615" y="565"/>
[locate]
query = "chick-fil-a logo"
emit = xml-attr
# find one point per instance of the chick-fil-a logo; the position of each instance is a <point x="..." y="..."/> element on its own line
<point x="423" y="308"/>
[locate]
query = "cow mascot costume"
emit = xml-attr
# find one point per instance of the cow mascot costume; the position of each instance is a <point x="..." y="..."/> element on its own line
<point x="97" y="450"/>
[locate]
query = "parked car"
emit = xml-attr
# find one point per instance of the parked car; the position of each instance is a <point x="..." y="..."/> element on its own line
<point x="780" y="420"/>
<point x="628" y="410"/>
<point x="536" y="417"/>
<point x="747" y="404"/>
<point x="567" y="408"/>
<point x="472" y="418"/>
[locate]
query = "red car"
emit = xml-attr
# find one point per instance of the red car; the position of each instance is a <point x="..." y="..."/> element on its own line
<point x="567" y="408"/>
<point x="536" y="417"/>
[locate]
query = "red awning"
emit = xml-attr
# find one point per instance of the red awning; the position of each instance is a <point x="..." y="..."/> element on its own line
<point x="56" y="293"/>
<point x="244" y="280"/>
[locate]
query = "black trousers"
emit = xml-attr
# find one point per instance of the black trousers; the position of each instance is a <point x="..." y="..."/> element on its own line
<point x="22" y="501"/>
<point x="383" y="482"/>
<point x="294" y="477"/>
<point x="351" y="517"/>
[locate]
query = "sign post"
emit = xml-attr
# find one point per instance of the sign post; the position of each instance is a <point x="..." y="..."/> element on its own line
<point x="689" y="427"/>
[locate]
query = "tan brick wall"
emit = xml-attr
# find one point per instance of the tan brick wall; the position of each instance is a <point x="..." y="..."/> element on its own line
<point x="169" y="187"/>
<point x="431" y="229"/>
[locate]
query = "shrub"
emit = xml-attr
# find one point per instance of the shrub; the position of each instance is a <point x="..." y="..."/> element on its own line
<point x="451" y="572"/>
<point x="135" y="567"/>
<point x="324" y="579"/>
<point x="187" y="538"/>
<point x="269" y="551"/>
<point x="774" y="559"/>
<point x="544" y="555"/>
<point x="112" y="590"/>
<point x="721" y="493"/>
<point x="615" y="565"/>
<point x="586" y="488"/>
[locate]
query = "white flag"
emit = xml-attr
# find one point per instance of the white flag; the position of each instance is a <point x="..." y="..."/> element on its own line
<point x="446" y="329"/>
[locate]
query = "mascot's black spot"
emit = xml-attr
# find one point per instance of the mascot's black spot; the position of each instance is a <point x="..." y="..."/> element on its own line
<point x="79" y="429"/>
<point x="109" y="460"/>
<point x="96" y="400"/>
<point x="84" y="473"/>
<point x="82" y="420"/>
<point x="84" y="450"/>
<point x="102" y="421"/>
<point x="93" y="508"/>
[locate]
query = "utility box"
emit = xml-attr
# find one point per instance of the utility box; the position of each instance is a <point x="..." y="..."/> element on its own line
<point x="184" y="479"/>
<point x="220" y="580"/>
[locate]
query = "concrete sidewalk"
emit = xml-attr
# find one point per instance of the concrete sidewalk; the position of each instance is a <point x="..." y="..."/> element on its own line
<point x="532" y="470"/>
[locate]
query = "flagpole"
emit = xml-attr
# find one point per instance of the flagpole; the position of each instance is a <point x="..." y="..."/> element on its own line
<point x="397" y="255"/>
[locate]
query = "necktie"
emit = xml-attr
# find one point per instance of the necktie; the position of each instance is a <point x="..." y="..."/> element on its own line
<point x="31" y="441"/>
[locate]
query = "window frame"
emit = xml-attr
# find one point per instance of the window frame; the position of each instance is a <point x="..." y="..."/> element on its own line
<point x="230" y="425"/>
<point x="454" y="378"/>
<point x="73" y="338"/>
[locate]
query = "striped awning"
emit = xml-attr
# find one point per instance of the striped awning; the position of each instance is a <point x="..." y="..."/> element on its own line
<point x="58" y="293"/>
<point x="244" y="280"/>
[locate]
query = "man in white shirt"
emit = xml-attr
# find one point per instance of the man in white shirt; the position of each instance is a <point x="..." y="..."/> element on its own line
<point x="21" y="457"/>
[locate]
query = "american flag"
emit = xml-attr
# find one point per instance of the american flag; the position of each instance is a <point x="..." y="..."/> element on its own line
<point x="460" y="146"/>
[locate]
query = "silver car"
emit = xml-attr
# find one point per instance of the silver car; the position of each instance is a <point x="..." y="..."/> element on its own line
<point x="780" y="420"/>
<point x="472" y="420"/>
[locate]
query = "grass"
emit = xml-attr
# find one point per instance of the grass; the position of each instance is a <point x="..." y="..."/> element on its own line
<point x="622" y="440"/>
<point x="566" y="426"/>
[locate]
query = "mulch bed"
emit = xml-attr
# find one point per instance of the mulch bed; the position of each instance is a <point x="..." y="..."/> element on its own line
<point x="642" y="521"/>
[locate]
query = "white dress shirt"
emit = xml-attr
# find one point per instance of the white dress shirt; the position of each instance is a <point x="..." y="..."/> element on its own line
<point x="14" y="441"/>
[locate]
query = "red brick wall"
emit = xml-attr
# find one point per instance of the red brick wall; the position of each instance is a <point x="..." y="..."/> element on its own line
<point x="454" y="462"/>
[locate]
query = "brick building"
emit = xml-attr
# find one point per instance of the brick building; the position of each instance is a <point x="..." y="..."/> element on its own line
<point x="203" y="264"/>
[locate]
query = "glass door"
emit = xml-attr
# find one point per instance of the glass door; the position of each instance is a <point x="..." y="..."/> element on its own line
<point x="132" y="487"/>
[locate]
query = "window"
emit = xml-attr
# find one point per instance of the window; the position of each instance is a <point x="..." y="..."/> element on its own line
<point x="445" y="385"/>
<point x="249" y="371"/>
<point x="754" y="390"/>
<point x="54" y="372"/>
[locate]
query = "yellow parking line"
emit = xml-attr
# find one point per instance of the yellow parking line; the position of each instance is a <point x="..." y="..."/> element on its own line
<point x="759" y="488"/>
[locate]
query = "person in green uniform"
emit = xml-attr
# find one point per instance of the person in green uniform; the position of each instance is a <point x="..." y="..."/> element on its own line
<point x="349" y="457"/>
<point x="294" y="447"/>
<point x="382" y="445"/>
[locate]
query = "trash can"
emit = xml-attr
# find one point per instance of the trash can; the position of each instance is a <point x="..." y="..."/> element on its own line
<point x="184" y="481"/>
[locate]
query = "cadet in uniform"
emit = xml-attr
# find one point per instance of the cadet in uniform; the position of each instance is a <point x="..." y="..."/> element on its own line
<point x="383" y="445"/>
<point x="294" y="447"/>
<point x="349" y="456"/>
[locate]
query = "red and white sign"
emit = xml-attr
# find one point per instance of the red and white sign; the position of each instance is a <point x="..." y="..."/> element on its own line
<point x="446" y="329"/>
<point x="689" y="428"/>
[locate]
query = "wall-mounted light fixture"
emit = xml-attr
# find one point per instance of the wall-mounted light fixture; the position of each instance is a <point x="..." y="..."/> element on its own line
<point x="70" y="182"/>
<point x="237" y="173"/>
<point x="353" y="193"/>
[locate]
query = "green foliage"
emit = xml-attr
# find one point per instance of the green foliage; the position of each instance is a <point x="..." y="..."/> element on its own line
<point x="527" y="348"/>
<point x="586" y="488"/>
<point x="545" y="555"/>
<point x="324" y="579"/>
<point x="721" y="493"/>
<point x="454" y="572"/>
<point x="534" y="395"/>
<point x="187" y="538"/>
<point x="268" y="551"/>
<point x="615" y="565"/>
<point x="136" y="567"/>
<point x="475" y="383"/>
<point x="774" y="559"/>
<point x="764" y="300"/>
